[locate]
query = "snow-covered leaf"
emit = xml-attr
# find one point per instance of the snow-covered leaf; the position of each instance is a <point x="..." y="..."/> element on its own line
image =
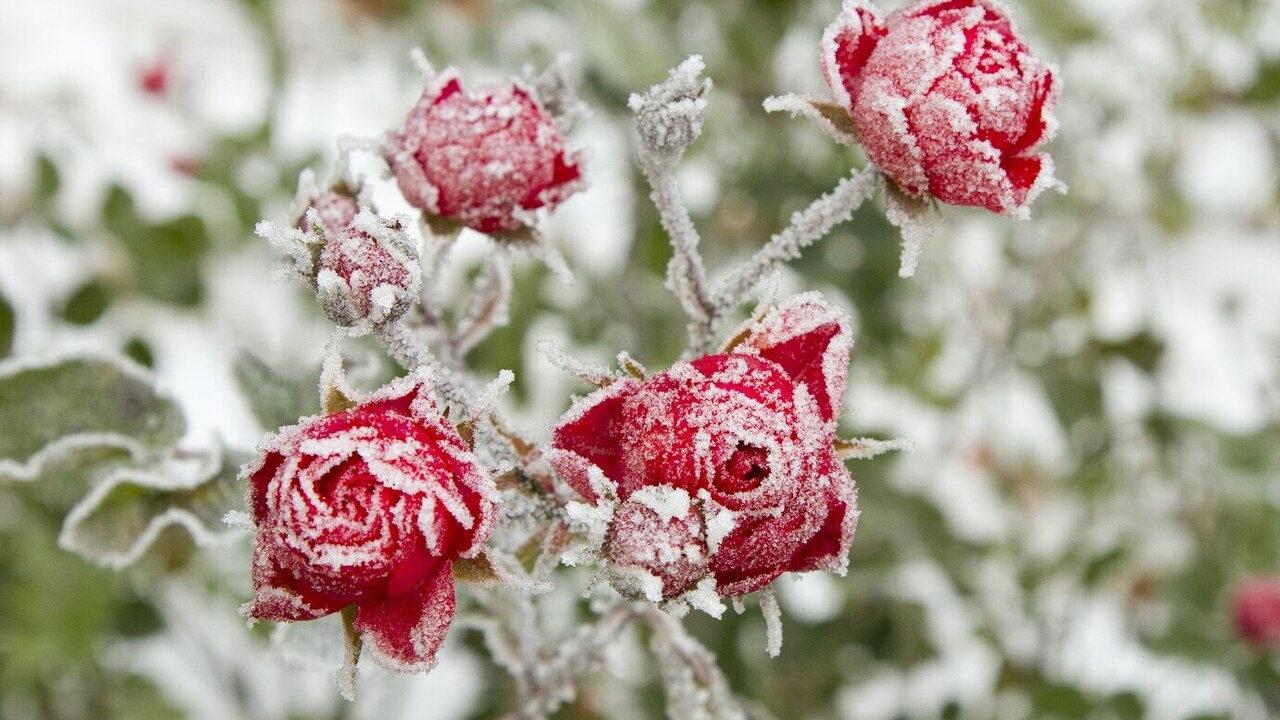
<point x="116" y="523"/>
<point x="914" y="216"/>
<point x="79" y="410"/>
<point x="831" y="117"/>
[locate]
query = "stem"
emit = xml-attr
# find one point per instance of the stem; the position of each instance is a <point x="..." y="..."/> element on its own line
<point x="354" y="644"/>
<point x="405" y="348"/>
<point x="807" y="226"/>
<point x="686" y="274"/>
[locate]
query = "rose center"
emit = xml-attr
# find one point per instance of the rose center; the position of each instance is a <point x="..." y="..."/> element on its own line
<point x="745" y="469"/>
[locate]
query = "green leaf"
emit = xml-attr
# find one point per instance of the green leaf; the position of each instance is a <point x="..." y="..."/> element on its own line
<point x="276" y="400"/>
<point x="79" y="410"/>
<point x="116" y="523"/>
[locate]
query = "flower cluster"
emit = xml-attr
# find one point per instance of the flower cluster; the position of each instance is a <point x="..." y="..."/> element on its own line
<point x="368" y="508"/>
<point x="723" y="467"/>
<point x="946" y="99"/>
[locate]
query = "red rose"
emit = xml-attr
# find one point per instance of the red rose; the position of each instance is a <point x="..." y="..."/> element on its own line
<point x="486" y="158"/>
<point x="1257" y="611"/>
<point x="722" y="467"/>
<point x="367" y="271"/>
<point x="946" y="99"/>
<point x="369" y="507"/>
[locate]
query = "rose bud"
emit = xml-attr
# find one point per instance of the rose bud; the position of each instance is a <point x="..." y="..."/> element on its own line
<point x="486" y="158"/>
<point x="369" y="507"/>
<point x="367" y="273"/>
<point x="1257" y="611"/>
<point x="723" y="467"/>
<point x="946" y="99"/>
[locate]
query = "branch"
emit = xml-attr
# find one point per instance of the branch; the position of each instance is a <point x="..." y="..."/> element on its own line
<point x="807" y="226"/>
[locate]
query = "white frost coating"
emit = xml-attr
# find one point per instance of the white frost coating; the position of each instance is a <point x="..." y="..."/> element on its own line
<point x="632" y="581"/>
<point x="669" y="115"/>
<point x="772" y="621"/>
<point x="593" y="522"/>
<point x="668" y="502"/>
<point x="719" y="521"/>
<point x="867" y="448"/>
<point x="705" y="597"/>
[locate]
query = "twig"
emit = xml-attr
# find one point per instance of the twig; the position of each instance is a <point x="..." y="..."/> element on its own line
<point x="807" y="226"/>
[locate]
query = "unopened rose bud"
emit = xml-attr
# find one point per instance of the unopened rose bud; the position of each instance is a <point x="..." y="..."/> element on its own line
<point x="368" y="273"/>
<point x="669" y="115"/>
<point x="486" y="158"/>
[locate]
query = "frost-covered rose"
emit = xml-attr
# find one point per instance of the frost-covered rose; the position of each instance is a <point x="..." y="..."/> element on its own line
<point x="722" y="467"/>
<point x="368" y="271"/>
<point x="485" y="158"/>
<point x="946" y="99"/>
<point x="369" y="507"/>
<point x="1257" y="611"/>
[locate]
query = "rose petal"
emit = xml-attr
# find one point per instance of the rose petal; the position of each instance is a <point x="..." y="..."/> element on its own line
<point x="588" y="430"/>
<point x="278" y="597"/>
<point x="846" y="45"/>
<point x="811" y="340"/>
<point x="407" y="631"/>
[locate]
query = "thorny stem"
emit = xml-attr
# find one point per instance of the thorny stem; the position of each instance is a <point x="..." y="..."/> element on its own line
<point x="807" y="226"/>
<point x="686" y="275"/>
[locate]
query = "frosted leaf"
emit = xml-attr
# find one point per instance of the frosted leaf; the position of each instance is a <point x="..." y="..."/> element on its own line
<point x="669" y="115"/>
<point x="867" y="448"/>
<point x="77" y="412"/>
<point x="488" y="397"/>
<point x="125" y="513"/>
<point x="831" y="118"/>
<point x="554" y="91"/>
<point x="915" y="218"/>
<point x="772" y="621"/>
<point x="584" y="371"/>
